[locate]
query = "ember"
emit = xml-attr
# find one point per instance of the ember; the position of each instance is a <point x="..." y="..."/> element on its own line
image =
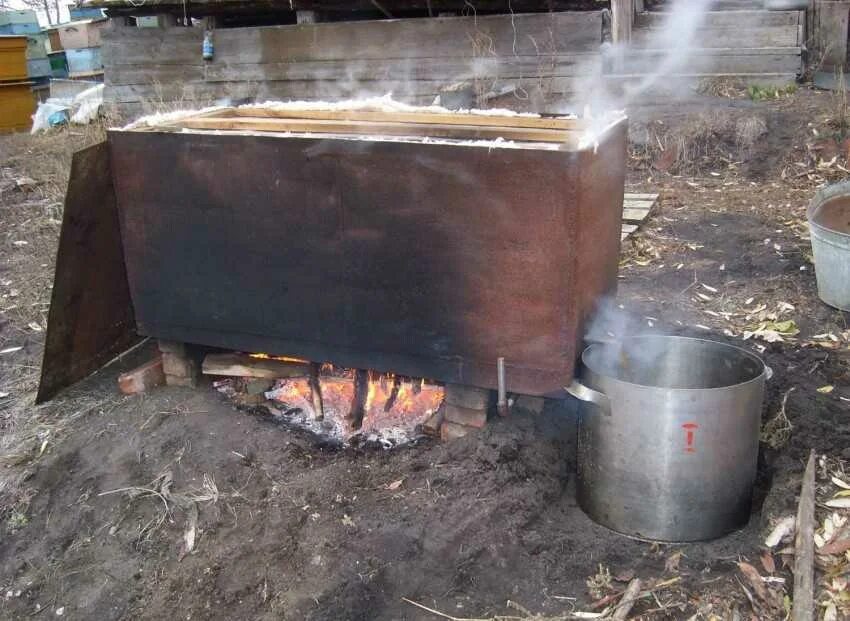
<point x="342" y="402"/>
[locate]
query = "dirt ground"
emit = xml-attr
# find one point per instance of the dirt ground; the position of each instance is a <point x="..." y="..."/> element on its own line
<point x="288" y="527"/>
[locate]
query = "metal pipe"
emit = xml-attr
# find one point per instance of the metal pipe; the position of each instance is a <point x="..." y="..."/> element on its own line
<point x="502" y="403"/>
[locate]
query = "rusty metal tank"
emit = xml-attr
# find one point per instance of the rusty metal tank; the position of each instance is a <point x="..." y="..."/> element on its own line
<point x="429" y="257"/>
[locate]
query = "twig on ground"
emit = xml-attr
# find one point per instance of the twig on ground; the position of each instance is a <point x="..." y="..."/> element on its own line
<point x="628" y="601"/>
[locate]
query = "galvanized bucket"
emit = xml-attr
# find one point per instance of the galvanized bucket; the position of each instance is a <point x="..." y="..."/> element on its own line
<point x="668" y="438"/>
<point x="829" y="223"/>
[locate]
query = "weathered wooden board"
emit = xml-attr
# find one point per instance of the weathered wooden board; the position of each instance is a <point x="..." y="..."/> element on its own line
<point x="529" y="67"/>
<point x="720" y="60"/>
<point x="206" y="92"/>
<point x="412" y="58"/>
<point x="728" y="37"/>
<point x="450" y="37"/>
<point x="245" y="365"/>
<point x="741" y="20"/>
<point x="377" y="128"/>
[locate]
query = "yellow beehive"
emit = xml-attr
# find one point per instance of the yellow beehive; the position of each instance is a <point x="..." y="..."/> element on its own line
<point x="17" y="105"/>
<point x="13" y="58"/>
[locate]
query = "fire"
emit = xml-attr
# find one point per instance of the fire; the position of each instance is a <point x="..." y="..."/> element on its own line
<point x="263" y="356"/>
<point x="391" y="401"/>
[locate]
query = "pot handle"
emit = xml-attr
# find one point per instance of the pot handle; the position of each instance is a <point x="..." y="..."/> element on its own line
<point x="768" y="373"/>
<point x="588" y="395"/>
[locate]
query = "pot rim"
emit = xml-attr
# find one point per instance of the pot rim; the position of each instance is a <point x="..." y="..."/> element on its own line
<point x="823" y="196"/>
<point x="760" y="377"/>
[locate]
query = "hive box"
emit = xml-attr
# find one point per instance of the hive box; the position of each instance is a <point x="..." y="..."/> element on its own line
<point x="18" y="22"/>
<point x="80" y="34"/>
<point x="13" y="58"/>
<point x="58" y="65"/>
<point x="17" y="105"/>
<point x="83" y="61"/>
<point x="37" y="46"/>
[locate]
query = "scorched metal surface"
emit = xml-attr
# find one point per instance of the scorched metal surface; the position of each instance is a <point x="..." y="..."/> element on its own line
<point x="429" y="260"/>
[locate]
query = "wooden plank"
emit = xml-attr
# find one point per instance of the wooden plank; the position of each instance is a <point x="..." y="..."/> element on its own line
<point x="729" y="19"/>
<point x="420" y="91"/>
<point x="375" y="128"/>
<point x="720" y="60"/>
<point x="497" y="36"/>
<point x="244" y="365"/>
<point x="728" y="37"/>
<point x="804" y="548"/>
<point x="638" y="204"/>
<point x="413" y="117"/>
<point x="637" y="196"/>
<point x="418" y="68"/>
<point x="635" y="215"/>
<point x="446" y="69"/>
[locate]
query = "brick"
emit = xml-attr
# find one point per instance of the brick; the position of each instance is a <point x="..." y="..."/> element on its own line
<point x="179" y="366"/>
<point x="467" y="396"/>
<point x="173" y="380"/>
<point x="142" y="378"/>
<point x="464" y="416"/>
<point x="452" y="431"/>
<point x="172" y="347"/>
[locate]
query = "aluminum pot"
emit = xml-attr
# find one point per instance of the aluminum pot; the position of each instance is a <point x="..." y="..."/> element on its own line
<point x="669" y="435"/>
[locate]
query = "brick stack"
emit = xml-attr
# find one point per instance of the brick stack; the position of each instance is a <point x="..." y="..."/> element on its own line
<point x="179" y="367"/>
<point x="464" y="410"/>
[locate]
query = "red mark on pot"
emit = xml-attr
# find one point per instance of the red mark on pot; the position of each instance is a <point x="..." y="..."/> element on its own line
<point x="690" y="434"/>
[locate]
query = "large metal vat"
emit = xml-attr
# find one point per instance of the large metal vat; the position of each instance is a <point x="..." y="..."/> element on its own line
<point x="427" y="258"/>
<point x="668" y="440"/>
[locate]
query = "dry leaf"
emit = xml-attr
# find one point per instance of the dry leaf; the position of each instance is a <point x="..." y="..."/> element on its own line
<point x="625" y="576"/>
<point x="346" y="520"/>
<point x="838" y="503"/>
<point x="840" y="483"/>
<point x="754" y="578"/>
<point x="671" y="565"/>
<point x="395" y="484"/>
<point x="839" y="546"/>
<point x="768" y="563"/>
<point x="783" y="528"/>
<point x="825" y="390"/>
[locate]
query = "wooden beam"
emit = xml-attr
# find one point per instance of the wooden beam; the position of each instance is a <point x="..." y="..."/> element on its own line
<point x="480" y="120"/>
<point x="245" y="365"/>
<point x="375" y="128"/>
<point x="804" y="548"/>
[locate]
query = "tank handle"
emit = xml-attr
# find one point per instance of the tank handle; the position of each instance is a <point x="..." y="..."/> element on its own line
<point x="588" y="395"/>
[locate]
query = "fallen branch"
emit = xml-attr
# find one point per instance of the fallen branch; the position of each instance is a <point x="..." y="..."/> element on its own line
<point x="629" y="598"/>
<point x="804" y="548"/>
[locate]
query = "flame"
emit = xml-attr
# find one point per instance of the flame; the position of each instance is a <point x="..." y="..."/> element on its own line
<point x="411" y="407"/>
<point x="263" y="356"/>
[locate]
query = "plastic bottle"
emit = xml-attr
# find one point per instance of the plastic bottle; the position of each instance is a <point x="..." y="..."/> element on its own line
<point x="208" y="45"/>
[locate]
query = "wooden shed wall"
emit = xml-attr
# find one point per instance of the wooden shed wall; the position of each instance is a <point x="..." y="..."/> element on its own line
<point x="544" y="53"/>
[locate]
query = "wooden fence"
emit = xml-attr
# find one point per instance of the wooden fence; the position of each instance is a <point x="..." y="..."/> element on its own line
<point x="538" y="55"/>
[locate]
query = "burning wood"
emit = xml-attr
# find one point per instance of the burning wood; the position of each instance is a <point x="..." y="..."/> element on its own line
<point x="332" y="400"/>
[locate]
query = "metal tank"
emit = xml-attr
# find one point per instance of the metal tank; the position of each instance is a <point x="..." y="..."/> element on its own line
<point x="668" y="438"/>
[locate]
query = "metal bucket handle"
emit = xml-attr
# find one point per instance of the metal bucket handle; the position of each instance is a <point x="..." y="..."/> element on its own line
<point x="588" y="395"/>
